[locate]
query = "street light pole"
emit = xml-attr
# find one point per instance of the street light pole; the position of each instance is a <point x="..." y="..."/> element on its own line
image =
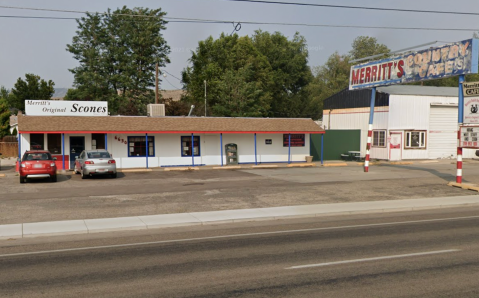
<point x="205" y="98"/>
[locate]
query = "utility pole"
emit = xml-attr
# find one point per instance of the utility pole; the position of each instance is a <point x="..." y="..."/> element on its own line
<point x="205" y="98"/>
<point x="156" y="87"/>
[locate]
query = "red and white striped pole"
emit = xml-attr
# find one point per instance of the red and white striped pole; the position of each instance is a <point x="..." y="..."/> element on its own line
<point x="459" y="165"/>
<point x="460" y="114"/>
<point x="370" y="129"/>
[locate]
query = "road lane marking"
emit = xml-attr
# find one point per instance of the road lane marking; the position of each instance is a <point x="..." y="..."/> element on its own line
<point x="375" y="259"/>
<point x="234" y="236"/>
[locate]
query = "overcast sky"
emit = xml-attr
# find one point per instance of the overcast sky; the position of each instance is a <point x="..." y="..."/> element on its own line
<point x="38" y="45"/>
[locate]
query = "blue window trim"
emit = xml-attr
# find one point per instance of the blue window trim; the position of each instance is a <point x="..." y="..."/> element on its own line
<point x="188" y="138"/>
<point x="147" y="149"/>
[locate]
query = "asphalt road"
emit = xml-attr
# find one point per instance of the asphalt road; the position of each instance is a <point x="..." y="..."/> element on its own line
<point x="415" y="254"/>
<point x="160" y="192"/>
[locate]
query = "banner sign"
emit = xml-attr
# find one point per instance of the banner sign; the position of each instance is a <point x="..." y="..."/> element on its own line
<point x="469" y="135"/>
<point x="297" y="140"/>
<point x="434" y="63"/>
<point x="65" y="108"/>
<point x="471" y="102"/>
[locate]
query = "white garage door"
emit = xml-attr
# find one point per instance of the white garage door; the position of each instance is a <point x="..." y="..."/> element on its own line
<point x="442" y="138"/>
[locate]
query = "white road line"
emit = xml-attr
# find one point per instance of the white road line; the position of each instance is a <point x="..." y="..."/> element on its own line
<point x="374" y="259"/>
<point x="235" y="236"/>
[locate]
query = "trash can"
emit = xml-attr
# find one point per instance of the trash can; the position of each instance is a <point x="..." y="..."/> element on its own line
<point x="309" y="159"/>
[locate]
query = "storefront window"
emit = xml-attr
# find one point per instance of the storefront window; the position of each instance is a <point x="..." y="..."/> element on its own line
<point x="379" y="138"/>
<point x="297" y="140"/>
<point x="97" y="141"/>
<point x="54" y="143"/>
<point x="416" y="139"/>
<point x="186" y="146"/>
<point x="137" y="146"/>
<point x="37" y="141"/>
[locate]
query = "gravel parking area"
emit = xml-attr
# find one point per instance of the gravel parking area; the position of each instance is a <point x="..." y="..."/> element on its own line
<point x="161" y="192"/>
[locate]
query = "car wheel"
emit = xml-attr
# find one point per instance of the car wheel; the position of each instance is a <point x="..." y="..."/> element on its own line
<point x="113" y="175"/>
<point x="83" y="176"/>
<point x="23" y="179"/>
<point x="53" y="178"/>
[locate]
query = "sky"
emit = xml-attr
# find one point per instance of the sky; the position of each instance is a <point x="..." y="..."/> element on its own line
<point x="38" y="46"/>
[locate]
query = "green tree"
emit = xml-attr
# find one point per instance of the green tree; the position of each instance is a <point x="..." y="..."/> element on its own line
<point x="365" y="46"/>
<point x="333" y="76"/>
<point x="330" y="78"/>
<point x="4" y="118"/>
<point x="118" y="52"/>
<point x="291" y="73"/>
<point x="32" y="88"/>
<point x="238" y="78"/>
<point x="258" y="76"/>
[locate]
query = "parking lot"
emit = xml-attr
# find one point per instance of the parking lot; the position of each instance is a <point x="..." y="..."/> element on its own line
<point x="162" y="192"/>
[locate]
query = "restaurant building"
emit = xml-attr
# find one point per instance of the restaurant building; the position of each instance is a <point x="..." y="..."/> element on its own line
<point x="148" y="142"/>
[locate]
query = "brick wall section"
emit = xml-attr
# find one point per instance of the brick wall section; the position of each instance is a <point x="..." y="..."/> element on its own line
<point x="9" y="149"/>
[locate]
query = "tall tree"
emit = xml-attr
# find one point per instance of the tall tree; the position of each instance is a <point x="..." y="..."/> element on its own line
<point x="365" y="46"/>
<point x="32" y="88"/>
<point x="4" y="118"/>
<point x="290" y="71"/>
<point x="118" y="52"/>
<point x="333" y="76"/>
<point x="263" y="75"/>
<point x="238" y="78"/>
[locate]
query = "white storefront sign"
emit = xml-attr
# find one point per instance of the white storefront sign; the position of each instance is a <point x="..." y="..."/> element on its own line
<point x="65" y="108"/>
<point x="471" y="102"/>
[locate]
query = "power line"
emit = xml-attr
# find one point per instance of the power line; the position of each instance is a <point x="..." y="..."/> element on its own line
<point x="358" y="7"/>
<point x="200" y="21"/>
<point x="170" y="83"/>
<point x="171" y="75"/>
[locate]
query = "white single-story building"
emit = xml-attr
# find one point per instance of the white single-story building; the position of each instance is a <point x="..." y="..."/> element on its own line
<point x="144" y="142"/>
<point x="410" y="122"/>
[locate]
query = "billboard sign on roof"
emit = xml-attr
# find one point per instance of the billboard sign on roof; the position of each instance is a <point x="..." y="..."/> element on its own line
<point x="65" y="108"/>
<point x="434" y="63"/>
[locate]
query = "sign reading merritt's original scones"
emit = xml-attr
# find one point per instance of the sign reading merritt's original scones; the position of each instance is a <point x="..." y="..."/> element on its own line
<point x="65" y="108"/>
<point x="471" y="102"/>
<point x="449" y="60"/>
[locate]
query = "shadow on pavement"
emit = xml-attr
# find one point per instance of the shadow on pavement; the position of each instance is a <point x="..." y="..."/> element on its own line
<point x="445" y="176"/>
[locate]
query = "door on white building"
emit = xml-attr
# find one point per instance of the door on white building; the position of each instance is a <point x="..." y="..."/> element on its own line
<point x="395" y="145"/>
<point x="442" y="136"/>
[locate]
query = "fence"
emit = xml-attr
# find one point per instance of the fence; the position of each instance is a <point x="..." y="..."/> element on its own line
<point x="9" y="146"/>
<point x="336" y="142"/>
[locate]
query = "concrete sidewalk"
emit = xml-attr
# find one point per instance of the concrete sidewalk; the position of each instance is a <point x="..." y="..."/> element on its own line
<point x="86" y="226"/>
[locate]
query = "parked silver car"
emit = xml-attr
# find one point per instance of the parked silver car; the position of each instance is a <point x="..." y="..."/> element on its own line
<point x="95" y="162"/>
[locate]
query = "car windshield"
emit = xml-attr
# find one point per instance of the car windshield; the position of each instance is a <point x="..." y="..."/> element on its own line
<point x="37" y="156"/>
<point x="98" y="155"/>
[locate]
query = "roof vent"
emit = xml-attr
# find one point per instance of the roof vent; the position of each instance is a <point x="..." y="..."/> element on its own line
<point x="155" y="110"/>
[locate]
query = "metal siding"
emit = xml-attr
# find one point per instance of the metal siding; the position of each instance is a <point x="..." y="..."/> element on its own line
<point x="442" y="136"/>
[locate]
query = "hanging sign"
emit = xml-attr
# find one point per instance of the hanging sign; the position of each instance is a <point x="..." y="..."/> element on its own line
<point x="471" y="102"/>
<point x="434" y="63"/>
<point x="65" y="108"/>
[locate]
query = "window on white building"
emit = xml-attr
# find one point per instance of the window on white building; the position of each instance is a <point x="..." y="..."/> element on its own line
<point x="379" y="138"/>
<point x="415" y="139"/>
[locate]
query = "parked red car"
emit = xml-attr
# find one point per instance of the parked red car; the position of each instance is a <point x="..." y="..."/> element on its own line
<point x="37" y="164"/>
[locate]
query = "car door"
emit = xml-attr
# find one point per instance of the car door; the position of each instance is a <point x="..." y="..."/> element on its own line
<point x="79" y="161"/>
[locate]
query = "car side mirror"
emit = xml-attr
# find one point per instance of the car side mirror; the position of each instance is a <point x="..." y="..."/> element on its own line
<point x="54" y="158"/>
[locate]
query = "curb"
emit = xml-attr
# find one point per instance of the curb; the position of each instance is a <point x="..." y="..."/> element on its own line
<point x="182" y="169"/>
<point x="90" y="226"/>
<point x="342" y="164"/>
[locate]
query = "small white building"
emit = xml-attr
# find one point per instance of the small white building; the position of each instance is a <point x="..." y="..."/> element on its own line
<point x="144" y="142"/>
<point x="410" y="122"/>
